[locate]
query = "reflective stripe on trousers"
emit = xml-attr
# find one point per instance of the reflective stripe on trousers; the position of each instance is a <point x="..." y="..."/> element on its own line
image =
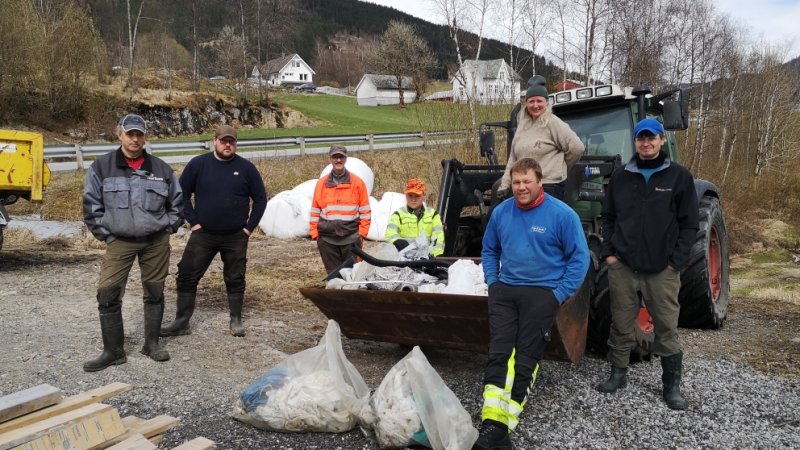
<point x="497" y="402"/>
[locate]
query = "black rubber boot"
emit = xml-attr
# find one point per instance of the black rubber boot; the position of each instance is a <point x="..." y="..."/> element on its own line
<point x="153" y="313"/>
<point x="180" y="326"/>
<point x="113" y="336"/>
<point x="617" y="380"/>
<point x="672" y="367"/>
<point x="493" y="436"/>
<point x="235" y="302"/>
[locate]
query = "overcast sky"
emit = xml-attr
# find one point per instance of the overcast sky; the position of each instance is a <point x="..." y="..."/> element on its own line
<point x="776" y="21"/>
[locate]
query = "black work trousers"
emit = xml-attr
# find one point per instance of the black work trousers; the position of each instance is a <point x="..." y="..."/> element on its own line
<point x="200" y="251"/>
<point x="520" y="319"/>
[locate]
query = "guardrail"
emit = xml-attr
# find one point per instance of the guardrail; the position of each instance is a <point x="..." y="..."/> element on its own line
<point x="74" y="156"/>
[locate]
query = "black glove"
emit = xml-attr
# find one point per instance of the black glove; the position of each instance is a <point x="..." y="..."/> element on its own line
<point x="400" y="244"/>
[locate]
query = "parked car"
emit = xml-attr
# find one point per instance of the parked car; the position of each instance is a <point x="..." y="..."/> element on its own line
<point x="306" y="87"/>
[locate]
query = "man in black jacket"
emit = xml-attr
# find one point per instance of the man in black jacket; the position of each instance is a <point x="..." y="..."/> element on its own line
<point x="650" y="220"/>
<point x="223" y="184"/>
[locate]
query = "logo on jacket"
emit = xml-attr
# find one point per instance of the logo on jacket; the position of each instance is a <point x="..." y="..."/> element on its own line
<point x="235" y="172"/>
<point x="155" y="178"/>
<point x="660" y="189"/>
<point x="538" y="229"/>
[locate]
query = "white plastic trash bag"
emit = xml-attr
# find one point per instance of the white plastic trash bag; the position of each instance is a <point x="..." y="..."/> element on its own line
<point x="315" y="390"/>
<point x="413" y="406"/>
<point x="287" y="216"/>
<point x="466" y="278"/>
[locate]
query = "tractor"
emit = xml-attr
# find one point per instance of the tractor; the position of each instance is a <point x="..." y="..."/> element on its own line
<point x="603" y="116"/>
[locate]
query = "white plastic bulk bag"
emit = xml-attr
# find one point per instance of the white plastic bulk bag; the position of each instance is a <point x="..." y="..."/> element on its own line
<point x="357" y="167"/>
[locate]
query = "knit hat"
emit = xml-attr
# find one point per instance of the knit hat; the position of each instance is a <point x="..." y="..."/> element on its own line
<point x="537" y="87"/>
<point x="415" y="186"/>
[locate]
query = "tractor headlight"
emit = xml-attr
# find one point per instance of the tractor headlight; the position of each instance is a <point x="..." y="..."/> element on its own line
<point x="583" y="93"/>
<point x="602" y="91"/>
<point x="563" y="97"/>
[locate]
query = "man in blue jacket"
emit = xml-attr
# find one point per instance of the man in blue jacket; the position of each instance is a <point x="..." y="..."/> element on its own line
<point x="650" y="221"/>
<point x="535" y="257"/>
<point x="221" y="217"/>
<point x="131" y="201"/>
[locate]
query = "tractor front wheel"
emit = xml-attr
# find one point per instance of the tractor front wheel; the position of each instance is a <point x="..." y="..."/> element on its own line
<point x="704" y="282"/>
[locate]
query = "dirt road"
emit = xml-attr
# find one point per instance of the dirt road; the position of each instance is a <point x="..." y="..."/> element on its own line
<point x="49" y="326"/>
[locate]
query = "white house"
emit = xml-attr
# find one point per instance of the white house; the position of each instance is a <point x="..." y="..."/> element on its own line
<point x="375" y="90"/>
<point x="490" y="82"/>
<point x="289" y="69"/>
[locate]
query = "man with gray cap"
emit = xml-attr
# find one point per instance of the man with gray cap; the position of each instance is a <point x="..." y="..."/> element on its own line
<point x="340" y="211"/>
<point x="224" y="185"/>
<point x="544" y="137"/>
<point x="132" y="201"/>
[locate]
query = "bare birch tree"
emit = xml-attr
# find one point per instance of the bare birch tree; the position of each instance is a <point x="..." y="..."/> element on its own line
<point x="536" y="16"/>
<point x="133" y="27"/>
<point x="453" y="12"/>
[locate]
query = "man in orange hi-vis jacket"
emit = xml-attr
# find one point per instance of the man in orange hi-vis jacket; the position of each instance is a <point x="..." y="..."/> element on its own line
<point x="340" y="212"/>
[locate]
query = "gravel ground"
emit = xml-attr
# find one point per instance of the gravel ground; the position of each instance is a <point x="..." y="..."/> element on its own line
<point x="49" y="326"/>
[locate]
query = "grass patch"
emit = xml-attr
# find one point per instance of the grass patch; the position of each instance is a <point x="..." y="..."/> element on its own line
<point x="391" y="168"/>
<point x="778" y="255"/>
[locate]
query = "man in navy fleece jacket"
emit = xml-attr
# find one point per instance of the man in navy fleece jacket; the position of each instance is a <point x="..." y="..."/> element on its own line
<point x="222" y="219"/>
<point x="534" y="257"/>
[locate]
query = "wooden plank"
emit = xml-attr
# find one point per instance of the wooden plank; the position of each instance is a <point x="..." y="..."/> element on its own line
<point x="149" y="428"/>
<point x="130" y="422"/>
<point x="68" y="404"/>
<point x="135" y="442"/>
<point x="79" y="429"/>
<point x="28" y="400"/>
<point x="157" y="439"/>
<point x="198" y="443"/>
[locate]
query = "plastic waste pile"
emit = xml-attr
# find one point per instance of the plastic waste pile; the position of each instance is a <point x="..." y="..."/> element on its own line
<point x="414" y="406"/>
<point x="316" y="390"/>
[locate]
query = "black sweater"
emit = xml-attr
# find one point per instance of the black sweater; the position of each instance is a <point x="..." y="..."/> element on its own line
<point x="222" y="193"/>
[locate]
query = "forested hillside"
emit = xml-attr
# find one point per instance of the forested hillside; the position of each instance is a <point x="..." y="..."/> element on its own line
<point x="276" y="27"/>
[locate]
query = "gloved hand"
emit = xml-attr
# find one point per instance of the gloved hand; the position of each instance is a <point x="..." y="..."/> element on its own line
<point x="503" y="194"/>
<point x="400" y="244"/>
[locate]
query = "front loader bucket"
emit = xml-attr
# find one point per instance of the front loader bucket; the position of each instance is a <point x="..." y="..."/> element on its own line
<point x="441" y="320"/>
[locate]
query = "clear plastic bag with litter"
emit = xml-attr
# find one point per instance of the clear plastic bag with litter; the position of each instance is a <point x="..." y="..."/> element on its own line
<point x="315" y="390"/>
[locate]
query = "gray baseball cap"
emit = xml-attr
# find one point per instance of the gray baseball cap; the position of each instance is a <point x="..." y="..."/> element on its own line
<point x="133" y="122"/>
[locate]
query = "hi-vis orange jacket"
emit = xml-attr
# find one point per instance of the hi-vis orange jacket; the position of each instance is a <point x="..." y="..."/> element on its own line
<point x="340" y="209"/>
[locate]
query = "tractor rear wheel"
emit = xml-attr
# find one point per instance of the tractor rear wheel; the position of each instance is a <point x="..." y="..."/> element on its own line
<point x="704" y="282"/>
<point x="600" y="322"/>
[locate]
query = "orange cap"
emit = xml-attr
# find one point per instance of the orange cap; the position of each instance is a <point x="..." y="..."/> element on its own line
<point x="415" y="186"/>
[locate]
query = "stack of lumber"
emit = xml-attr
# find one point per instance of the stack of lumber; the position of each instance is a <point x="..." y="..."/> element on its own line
<point x="40" y="418"/>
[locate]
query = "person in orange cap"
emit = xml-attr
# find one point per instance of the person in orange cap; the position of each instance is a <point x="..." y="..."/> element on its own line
<point x="406" y="224"/>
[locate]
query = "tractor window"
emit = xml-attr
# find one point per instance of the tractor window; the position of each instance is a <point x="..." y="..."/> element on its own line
<point x="604" y="132"/>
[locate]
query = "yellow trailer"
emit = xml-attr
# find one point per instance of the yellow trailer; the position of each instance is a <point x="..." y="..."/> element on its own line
<point x="23" y="172"/>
